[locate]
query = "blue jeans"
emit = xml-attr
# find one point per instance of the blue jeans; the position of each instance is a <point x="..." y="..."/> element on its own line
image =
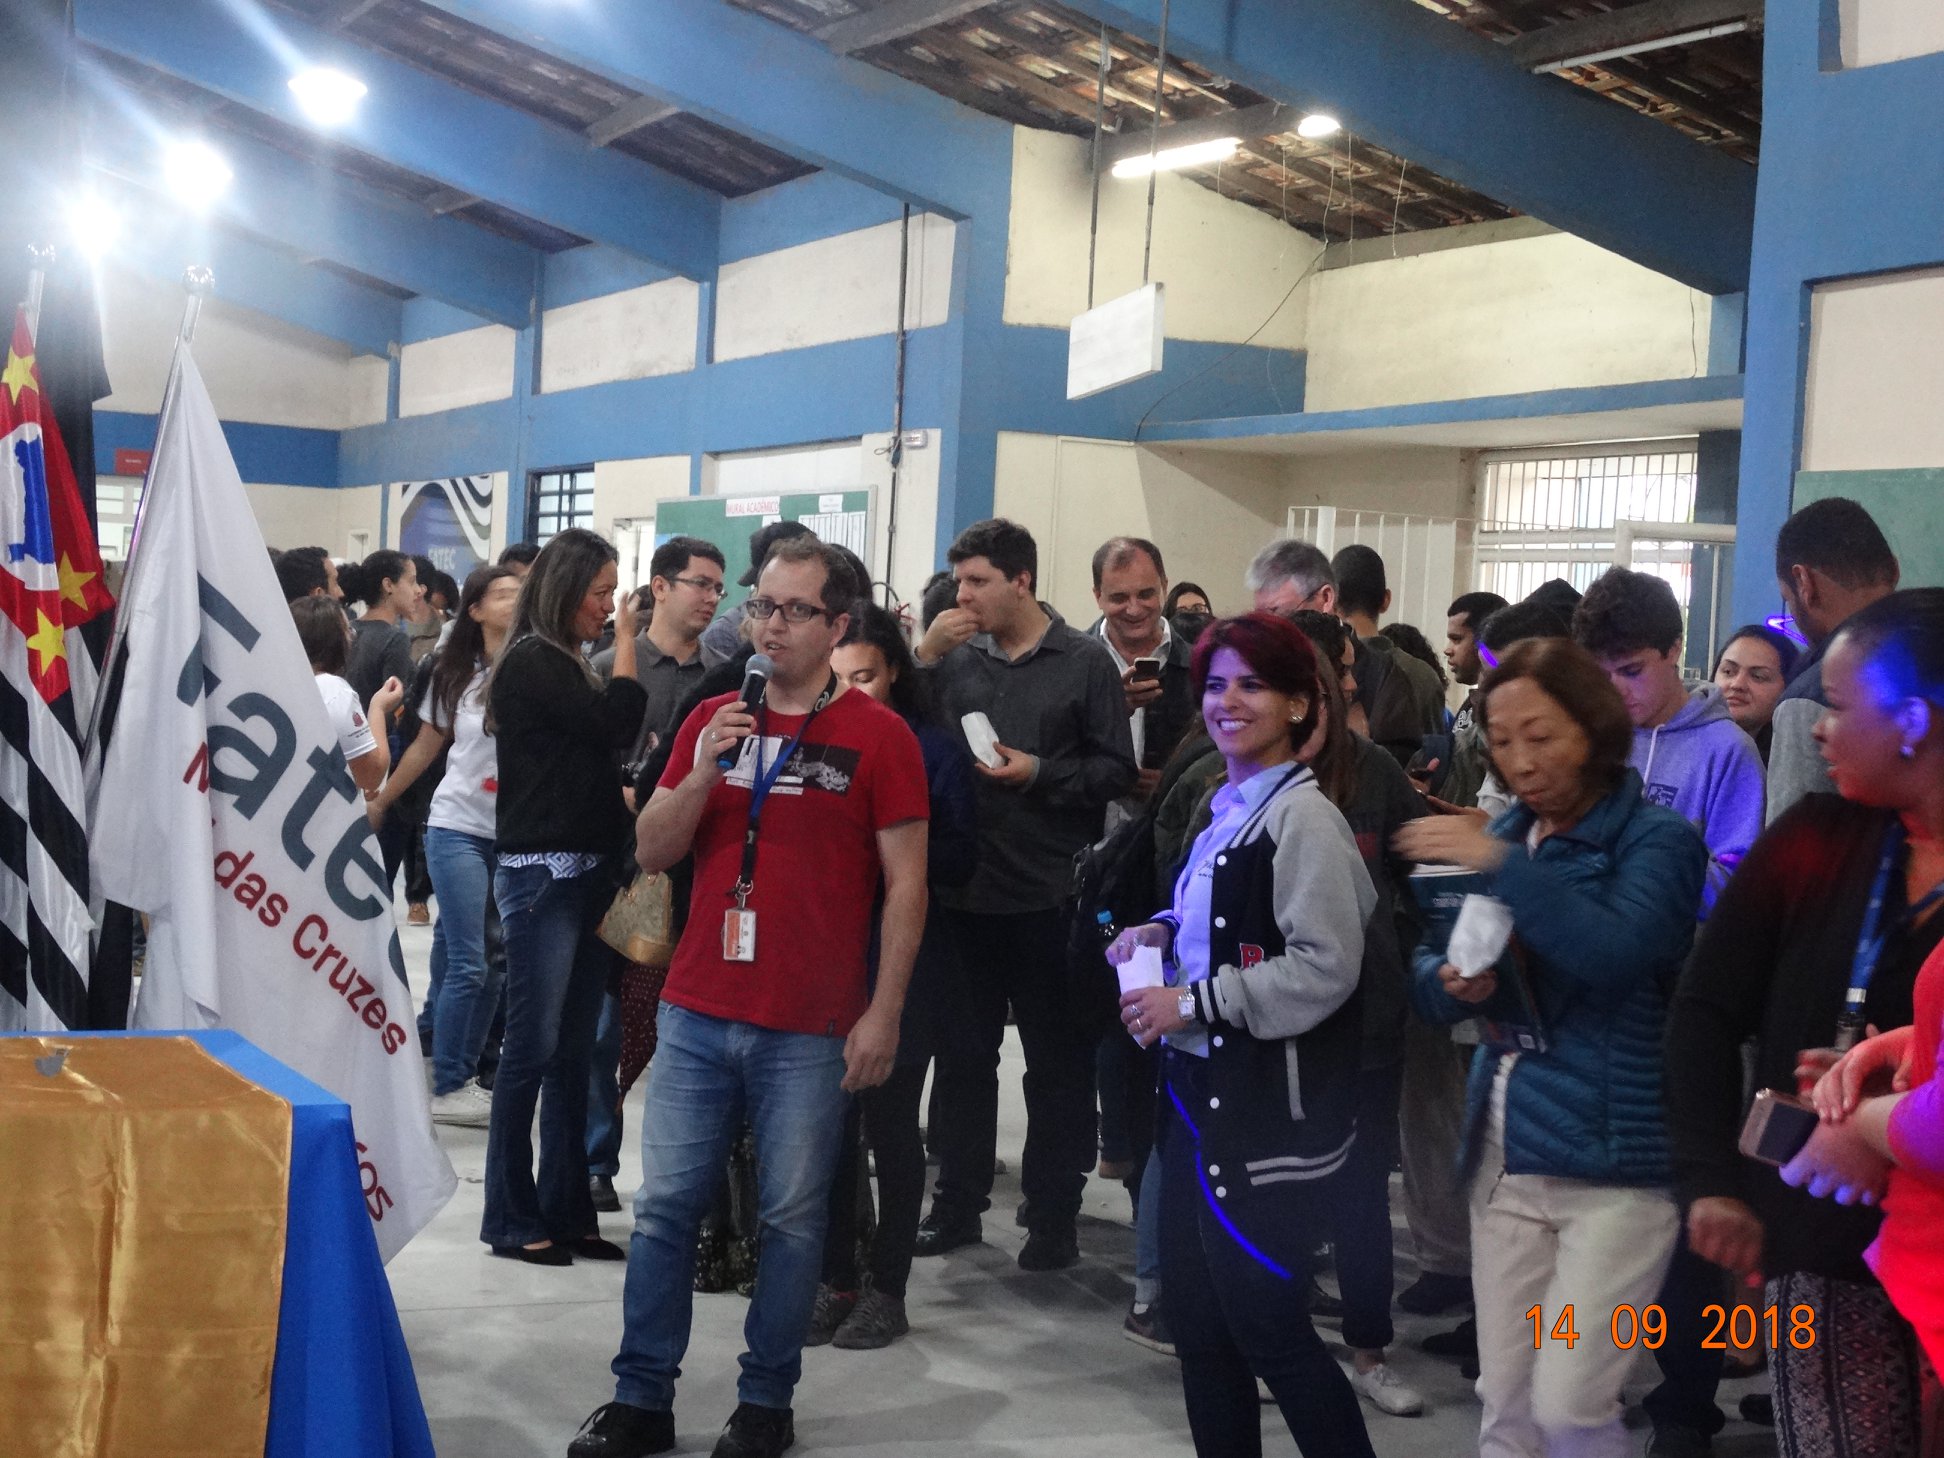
<point x="604" y="1094"/>
<point x="706" y="1077"/>
<point x="556" y="971"/>
<point x="1147" y="1232"/>
<point x="465" y="984"/>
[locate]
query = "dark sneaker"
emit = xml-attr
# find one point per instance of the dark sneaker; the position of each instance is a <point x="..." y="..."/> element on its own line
<point x="940" y="1231"/>
<point x="601" y="1189"/>
<point x="1322" y="1305"/>
<point x="620" y="1430"/>
<point x="1460" y="1342"/>
<point x="1432" y="1294"/>
<point x="828" y="1314"/>
<point x="1758" y="1408"/>
<point x="1146" y="1326"/>
<point x="1676" y="1440"/>
<point x="755" y="1432"/>
<point x="877" y="1321"/>
<point x="1049" y="1250"/>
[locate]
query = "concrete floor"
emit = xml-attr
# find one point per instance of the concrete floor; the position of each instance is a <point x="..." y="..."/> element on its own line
<point x="512" y="1358"/>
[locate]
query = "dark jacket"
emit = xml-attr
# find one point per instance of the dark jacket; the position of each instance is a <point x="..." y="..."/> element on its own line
<point x="1772" y="964"/>
<point x="557" y="731"/>
<point x="1288" y="906"/>
<point x="1171" y="717"/>
<point x="1605" y="914"/>
<point x="952" y="851"/>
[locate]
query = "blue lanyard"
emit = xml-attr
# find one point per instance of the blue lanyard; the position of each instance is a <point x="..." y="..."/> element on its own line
<point x="1874" y="937"/>
<point x="765" y="781"/>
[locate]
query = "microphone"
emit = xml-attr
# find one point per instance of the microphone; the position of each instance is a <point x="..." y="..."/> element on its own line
<point x="755" y="683"/>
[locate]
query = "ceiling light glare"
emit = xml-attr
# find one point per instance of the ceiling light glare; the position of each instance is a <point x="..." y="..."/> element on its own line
<point x="94" y="225"/>
<point x="196" y="173"/>
<point x="328" y="97"/>
<point x="1318" y="125"/>
<point x="1168" y="159"/>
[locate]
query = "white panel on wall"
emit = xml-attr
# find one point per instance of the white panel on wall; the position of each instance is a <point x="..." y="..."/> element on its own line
<point x="836" y="465"/>
<point x="455" y="370"/>
<point x="844" y="287"/>
<point x="628" y="491"/>
<point x="1501" y="318"/>
<point x="1876" y="374"/>
<point x="1875" y="31"/>
<point x="1228" y="267"/>
<point x="630" y="335"/>
<point x="315" y="516"/>
<point x="369" y="385"/>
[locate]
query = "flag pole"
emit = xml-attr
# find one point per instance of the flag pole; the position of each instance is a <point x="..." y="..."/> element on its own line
<point x="41" y="260"/>
<point x="198" y="283"/>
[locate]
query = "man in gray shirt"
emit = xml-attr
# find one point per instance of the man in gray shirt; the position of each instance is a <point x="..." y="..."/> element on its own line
<point x="1055" y="701"/>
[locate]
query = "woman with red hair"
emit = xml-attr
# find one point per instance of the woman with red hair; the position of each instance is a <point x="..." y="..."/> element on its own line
<point x="1263" y="1031"/>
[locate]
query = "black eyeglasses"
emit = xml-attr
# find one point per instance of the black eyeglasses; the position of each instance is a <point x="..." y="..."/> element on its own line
<point x="762" y="609"/>
<point x="707" y="586"/>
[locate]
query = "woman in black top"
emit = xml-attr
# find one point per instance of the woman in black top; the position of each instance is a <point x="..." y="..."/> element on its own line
<point x="1773" y="963"/>
<point x="387" y="584"/>
<point x="561" y="829"/>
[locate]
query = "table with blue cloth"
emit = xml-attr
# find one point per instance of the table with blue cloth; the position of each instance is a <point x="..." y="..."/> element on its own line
<point x="341" y="1383"/>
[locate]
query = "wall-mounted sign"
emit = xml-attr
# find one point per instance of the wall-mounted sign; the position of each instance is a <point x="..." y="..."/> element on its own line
<point x="131" y="463"/>
<point x="1115" y="343"/>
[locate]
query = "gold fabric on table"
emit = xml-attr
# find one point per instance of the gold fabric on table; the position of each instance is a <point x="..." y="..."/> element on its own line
<point x="143" y="1188"/>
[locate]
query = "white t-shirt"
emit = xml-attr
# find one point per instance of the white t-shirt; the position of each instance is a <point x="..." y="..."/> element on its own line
<point x="347" y="716"/>
<point x="467" y="799"/>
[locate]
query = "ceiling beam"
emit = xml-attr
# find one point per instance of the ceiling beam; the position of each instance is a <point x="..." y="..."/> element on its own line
<point x="449" y="200"/>
<point x="1460" y="106"/>
<point x="1249" y="123"/>
<point x="629" y="116"/>
<point x="892" y="21"/>
<point x="1049" y="94"/>
<point x="1635" y="24"/>
<point x="436" y="128"/>
<point x="311" y="209"/>
<point x="346" y="12"/>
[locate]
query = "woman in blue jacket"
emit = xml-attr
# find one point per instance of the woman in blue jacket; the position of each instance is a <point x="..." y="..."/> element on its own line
<point x="1259" y="1078"/>
<point x="1572" y="1210"/>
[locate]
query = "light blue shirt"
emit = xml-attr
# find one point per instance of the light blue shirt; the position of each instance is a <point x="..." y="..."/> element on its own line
<point x="1234" y="806"/>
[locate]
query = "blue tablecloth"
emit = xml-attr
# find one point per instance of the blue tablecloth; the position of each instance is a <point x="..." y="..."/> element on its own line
<point x="342" y="1386"/>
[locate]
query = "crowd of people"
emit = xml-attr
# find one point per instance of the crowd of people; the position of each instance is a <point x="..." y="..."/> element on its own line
<point x="1636" y="978"/>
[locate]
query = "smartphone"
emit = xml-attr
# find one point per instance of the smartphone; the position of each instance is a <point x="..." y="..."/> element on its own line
<point x="1777" y="1127"/>
<point x="1146" y="668"/>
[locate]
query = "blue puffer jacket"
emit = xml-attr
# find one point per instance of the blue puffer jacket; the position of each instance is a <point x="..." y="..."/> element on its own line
<point x="1605" y="912"/>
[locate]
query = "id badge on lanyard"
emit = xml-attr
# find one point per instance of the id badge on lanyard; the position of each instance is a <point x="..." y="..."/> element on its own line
<point x="1853" y="1023"/>
<point x="739" y="921"/>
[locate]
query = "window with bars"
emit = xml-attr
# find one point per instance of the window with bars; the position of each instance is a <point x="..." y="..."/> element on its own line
<point x="557" y="500"/>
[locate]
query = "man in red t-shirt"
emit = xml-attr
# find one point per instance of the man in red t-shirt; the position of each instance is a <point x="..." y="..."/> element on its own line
<point x="771" y="1013"/>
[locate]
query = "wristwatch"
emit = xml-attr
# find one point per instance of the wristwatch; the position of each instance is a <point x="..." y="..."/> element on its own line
<point x="1185" y="1008"/>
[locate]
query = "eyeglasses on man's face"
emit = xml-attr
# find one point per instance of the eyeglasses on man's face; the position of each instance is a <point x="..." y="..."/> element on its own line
<point x="762" y="609"/>
<point x="707" y="586"/>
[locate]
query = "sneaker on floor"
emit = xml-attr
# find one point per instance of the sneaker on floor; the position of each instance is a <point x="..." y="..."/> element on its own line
<point x="755" y="1432"/>
<point x="1384" y="1390"/>
<point x="941" y="1231"/>
<point x="619" y="1430"/>
<point x="1322" y="1305"/>
<point x="1432" y="1294"/>
<point x="831" y="1307"/>
<point x="1758" y="1408"/>
<point x="876" y="1321"/>
<point x="1460" y="1342"/>
<point x="1147" y="1326"/>
<point x="418" y="914"/>
<point x="1677" y="1440"/>
<point x="468" y="1106"/>
<point x="600" y="1189"/>
<point x="1049" y="1250"/>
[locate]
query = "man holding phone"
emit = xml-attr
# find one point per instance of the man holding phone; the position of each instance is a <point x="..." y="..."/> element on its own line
<point x="1130" y="586"/>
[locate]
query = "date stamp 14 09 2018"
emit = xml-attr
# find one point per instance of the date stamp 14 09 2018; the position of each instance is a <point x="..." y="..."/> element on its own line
<point x="1737" y="1328"/>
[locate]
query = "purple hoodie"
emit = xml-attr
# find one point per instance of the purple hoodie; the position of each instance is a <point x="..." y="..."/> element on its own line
<point x="1702" y="765"/>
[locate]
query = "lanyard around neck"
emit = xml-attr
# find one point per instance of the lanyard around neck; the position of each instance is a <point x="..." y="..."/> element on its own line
<point x="765" y="781"/>
<point x="1874" y="937"/>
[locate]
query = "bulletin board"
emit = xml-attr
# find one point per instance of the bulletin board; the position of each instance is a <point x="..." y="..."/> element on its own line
<point x="839" y="517"/>
<point x="1907" y="504"/>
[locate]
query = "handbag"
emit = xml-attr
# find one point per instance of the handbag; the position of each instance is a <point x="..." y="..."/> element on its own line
<point x="640" y="923"/>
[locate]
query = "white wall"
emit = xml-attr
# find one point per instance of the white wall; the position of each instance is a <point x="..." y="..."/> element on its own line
<point x="455" y="370"/>
<point x="1875" y="31"/>
<point x="844" y="287"/>
<point x="315" y="516"/>
<point x="257" y="369"/>
<point x="626" y="491"/>
<point x="831" y="465"/>
<point x="631" y="335"/>
<point x="1408" y="481"/>
<point x="1876" y="374"/>
<point x="1226" y="265"/>
<point x="1501" y="318"/>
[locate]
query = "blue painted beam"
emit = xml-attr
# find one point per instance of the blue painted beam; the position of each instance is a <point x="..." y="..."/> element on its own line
<point x="580" y="274"/>
<point x="770" y="83"/>
<point x="424" y="124"/>
<point x="271" y="455"/>
<point x="1456" y="103"/>
<point x="802" y="210"/>
<point x="318" y="212"/>
<point x="264" y="280"/>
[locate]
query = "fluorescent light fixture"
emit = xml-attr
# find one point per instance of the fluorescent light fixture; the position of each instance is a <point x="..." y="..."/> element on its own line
<point x="196" y="173"/>
<point x="1169" y="159"/>
<point x="94" y="226"/>
<point x="1318" y="125"/>
<point x="1659" y="43"/>
<point x="327" y="96"/>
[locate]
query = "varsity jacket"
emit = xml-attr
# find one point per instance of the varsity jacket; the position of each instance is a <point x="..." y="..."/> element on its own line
<point x="1275" y="1110"/>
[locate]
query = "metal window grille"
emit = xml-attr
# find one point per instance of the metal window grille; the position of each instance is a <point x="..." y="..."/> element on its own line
<point x="557" y="500"/>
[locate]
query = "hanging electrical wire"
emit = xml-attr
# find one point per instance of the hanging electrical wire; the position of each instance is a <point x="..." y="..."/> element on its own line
<point x="1154" y="139"/>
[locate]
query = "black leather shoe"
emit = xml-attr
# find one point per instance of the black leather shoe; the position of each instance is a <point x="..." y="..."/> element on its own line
<point x="593" y="1248"/>
<point x="938" y="1233"/>
<point x="1460" y="1342"/>
<point x="1049" y="1250"/>
<point x="1432" y="1294"/>
<point x="602" y="1190"/>
<point x="1678" y="1441"/>
<point x="620" y="1430"/>
<point x="546" y="1255"/>
<point x="754" y="1432"/>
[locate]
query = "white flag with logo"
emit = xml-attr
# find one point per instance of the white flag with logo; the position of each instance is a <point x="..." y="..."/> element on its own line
<point x="226" y="811"/>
